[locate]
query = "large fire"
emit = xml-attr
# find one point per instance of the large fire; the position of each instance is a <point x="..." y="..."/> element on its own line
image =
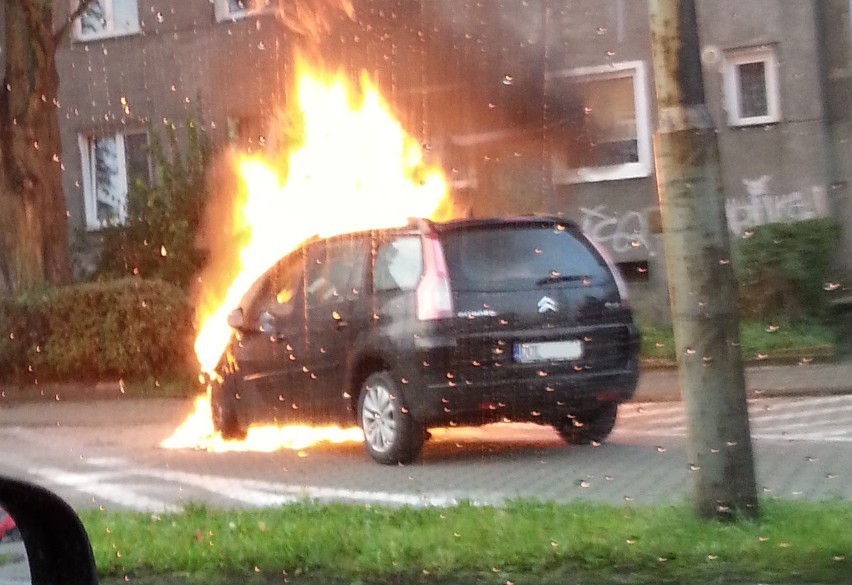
<point x="354" y="169"/>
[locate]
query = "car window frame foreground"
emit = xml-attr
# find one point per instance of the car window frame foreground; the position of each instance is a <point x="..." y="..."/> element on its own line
<point x="57" y="545"/>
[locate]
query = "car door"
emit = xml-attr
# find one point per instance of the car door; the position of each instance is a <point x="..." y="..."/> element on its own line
<point x="272" y="345"/>
<point x="334" y="288"/>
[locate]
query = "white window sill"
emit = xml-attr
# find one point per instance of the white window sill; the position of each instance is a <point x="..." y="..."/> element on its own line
<point x="564" y="176"/>
<point x="757" y="121"/>
<point x="106" y="35"/>
<point x="243" y="14"/>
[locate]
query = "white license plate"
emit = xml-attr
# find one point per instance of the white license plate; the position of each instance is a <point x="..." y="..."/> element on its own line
<point x="548" y="351"/>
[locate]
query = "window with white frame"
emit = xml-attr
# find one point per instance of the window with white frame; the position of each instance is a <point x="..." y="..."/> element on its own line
<point x="106" y="18"/>
<point x="603" y="116"/>
<point x="236" y="9"/>
<point x="111" y="164"/>
<point x="751" y="86"/>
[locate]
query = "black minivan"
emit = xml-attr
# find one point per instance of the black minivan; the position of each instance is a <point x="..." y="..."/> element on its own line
<point x="434" y="324"/>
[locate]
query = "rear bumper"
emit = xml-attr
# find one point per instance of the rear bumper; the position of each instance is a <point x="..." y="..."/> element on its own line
<point x="438" y="392"/>
<point x="440" y="405"/>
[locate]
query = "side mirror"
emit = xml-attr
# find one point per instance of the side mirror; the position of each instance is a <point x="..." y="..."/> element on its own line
<point x="57" y="546"/>
<point x="236" y="319"/>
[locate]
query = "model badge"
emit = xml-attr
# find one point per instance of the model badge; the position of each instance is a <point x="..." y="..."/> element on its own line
<point x="547" y="304"/>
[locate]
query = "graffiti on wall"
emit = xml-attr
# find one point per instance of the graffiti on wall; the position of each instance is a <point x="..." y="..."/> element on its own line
<point x="762" y="206"/>
<point x="621" y="232"/>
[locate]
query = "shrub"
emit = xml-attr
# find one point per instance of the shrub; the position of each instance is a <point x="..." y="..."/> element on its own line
<point x="128" y="328"/>
<point x="159" y="238"/>
<point x="782" y="269"/>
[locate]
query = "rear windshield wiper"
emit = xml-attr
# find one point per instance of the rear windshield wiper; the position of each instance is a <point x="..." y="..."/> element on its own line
<point x="563" y="278"/>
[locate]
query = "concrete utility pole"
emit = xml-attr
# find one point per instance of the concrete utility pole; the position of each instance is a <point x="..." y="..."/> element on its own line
<point x="701" y="279"/>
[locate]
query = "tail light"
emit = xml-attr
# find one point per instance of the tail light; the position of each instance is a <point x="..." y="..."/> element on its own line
<point x="434" y="295"/>
<point x="616" y="273"/>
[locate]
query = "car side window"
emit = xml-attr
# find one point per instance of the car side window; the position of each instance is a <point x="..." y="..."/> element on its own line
<point x="399" y="264"/>
<point x="335" y="271"/>
<point x="285" y="285"/>
<point x="278" y="289"/>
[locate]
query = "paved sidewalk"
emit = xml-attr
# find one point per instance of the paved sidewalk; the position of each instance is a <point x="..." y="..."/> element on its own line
<point x="662" y="384"/>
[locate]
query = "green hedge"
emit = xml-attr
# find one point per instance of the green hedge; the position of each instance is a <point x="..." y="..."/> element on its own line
<point x="129" y="328"/>
<point x="784" y="270"/>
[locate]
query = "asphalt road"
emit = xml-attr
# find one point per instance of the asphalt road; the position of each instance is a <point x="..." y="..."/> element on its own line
<point x="107" y="453"/>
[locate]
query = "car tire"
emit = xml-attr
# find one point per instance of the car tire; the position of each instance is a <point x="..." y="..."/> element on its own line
<point x="589" y="426"/>
<point x="223" y="408"/>
<point x="391" y="435"/>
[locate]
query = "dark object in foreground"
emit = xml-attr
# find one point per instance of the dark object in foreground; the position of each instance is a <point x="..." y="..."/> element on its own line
<point x="434" y="324"/>
<point x="57" y="545"/>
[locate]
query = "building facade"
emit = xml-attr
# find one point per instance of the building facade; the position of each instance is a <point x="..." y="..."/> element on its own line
<point x="533" y="106"/>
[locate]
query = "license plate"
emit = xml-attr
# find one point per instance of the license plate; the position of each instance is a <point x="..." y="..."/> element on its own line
<point x="548" y="351"/>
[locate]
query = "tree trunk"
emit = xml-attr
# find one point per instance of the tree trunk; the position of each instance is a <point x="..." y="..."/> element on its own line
<point x="34" y="247"/>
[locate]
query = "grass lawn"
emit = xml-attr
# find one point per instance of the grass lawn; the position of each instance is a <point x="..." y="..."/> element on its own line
<point x="759" y="341"/>
<point x="523" y="542"/>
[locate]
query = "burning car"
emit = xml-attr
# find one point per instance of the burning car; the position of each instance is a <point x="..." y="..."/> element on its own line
<point x="465" y="322"/>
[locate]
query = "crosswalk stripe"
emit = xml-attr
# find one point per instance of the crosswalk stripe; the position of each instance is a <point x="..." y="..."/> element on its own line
<point x="822" y="418"/>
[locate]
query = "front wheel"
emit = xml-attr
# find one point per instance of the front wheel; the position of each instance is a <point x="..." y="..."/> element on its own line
<point x="589" y="426"/>
<point x="391" y="436"/>
<point x="223" y="408"/>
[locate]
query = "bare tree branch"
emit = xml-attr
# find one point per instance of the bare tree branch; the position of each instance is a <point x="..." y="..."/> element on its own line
<point x="63" y="30"/>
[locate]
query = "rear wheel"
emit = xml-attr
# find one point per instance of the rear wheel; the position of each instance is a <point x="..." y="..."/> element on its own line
<point x="391" y="436"/>
<point x="589" y="426"/>
<point x="223" y="408"/>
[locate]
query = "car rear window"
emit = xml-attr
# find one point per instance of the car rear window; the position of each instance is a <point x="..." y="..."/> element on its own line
<point x="520" y="257"/>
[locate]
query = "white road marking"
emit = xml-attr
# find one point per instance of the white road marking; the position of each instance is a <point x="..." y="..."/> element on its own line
<point x="801" y="413"/>
<point x="838" y="436"/>
<point x="768" y="419"/>
<point x="96" y="484"/>
<point x="251" y="492"/>
<point x="265" y="493"/>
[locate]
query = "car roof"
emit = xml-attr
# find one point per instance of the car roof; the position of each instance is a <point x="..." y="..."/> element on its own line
<point x="418" y="225"/>
<point x="506" y="221"/>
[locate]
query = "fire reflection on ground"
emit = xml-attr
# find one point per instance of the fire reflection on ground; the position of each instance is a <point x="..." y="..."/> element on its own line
<point x="197" y="433"/>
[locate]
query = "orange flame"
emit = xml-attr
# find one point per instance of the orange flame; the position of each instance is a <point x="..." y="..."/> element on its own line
<point x="197" y="433"/>
<point x="355" y="169"/>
